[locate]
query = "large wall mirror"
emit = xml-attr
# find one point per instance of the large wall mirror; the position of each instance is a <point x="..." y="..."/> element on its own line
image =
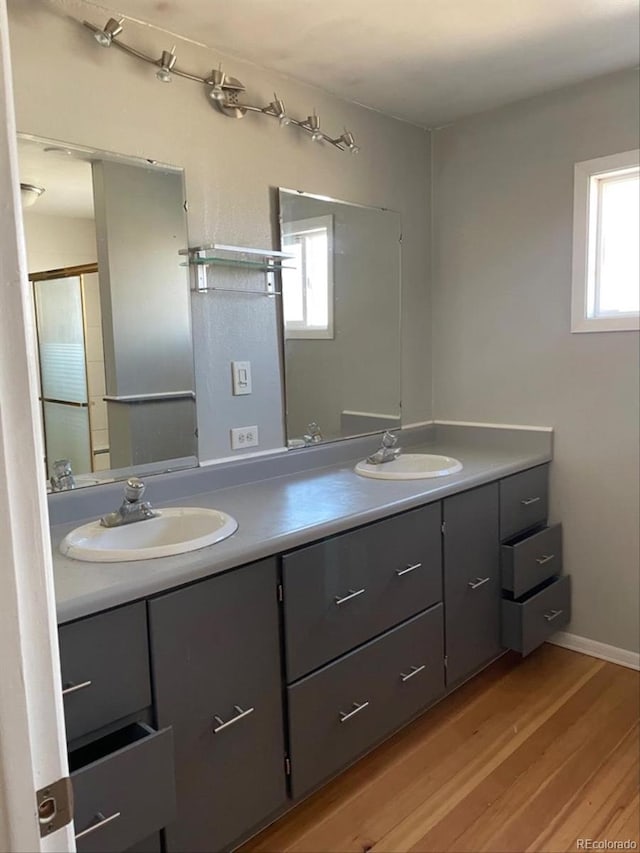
<point x="341" y="318"/>
<point x="111" y="302"/>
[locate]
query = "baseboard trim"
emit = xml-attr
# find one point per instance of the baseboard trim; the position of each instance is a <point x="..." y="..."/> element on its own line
<point x="623" y="657"/>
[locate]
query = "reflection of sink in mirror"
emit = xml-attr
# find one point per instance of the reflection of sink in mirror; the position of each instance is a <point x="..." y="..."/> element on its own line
<point x="114" y="345"/>
<point x="176" y="530"/>
<point x="411" y="466"/>
<point x="341" y="316"/>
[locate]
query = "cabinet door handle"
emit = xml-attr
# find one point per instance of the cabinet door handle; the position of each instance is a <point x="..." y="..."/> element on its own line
<point x="239" y="716"/>
<point x="552" y="615"/>
<point x="546" y="558"/>
<point x="478" y="582"/>
<point x="405" y="676"/>
<point x="411" y="568"/>
<point x="529" y="501"/>
<point x="73" y="688"/>
<point x="353" y="593"/>
<point x="357" y="707"/>
<point x="101" y="821"/>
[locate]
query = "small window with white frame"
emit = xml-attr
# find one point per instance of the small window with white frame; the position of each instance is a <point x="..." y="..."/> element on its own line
<point x="606" y="244"/>
<point x="307" y="279"/>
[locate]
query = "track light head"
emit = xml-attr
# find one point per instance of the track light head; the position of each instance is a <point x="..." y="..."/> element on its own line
<point x="217" y="82"/>
<point x="277" y="108"/>
<point x="112" y="29"/>
<point x="166" y="63"/>
<point x="349" y="141"/>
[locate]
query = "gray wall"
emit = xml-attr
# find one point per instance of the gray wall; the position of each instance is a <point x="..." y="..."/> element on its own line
<point x="104" y="99"/>
<point x="503" y="352"/>
<point x="359" y="368"/>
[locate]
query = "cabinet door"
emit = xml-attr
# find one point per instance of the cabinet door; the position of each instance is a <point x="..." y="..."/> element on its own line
<point x="471" y="580"/>
<point x="217" y="679"/>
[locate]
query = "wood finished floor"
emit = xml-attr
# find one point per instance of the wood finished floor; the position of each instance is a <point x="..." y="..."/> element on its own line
<point x="530" y="755"/>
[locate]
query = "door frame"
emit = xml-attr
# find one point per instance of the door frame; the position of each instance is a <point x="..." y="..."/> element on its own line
<point x="32" y="739"/>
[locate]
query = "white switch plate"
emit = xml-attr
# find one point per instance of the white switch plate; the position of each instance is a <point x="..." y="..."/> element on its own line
<point x="241" y="377"/>
<point x="242" y="437"/>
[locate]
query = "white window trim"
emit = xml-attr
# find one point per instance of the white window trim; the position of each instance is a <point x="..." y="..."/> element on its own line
<point x="584" y="213"/>
<point x="299" y="226"/>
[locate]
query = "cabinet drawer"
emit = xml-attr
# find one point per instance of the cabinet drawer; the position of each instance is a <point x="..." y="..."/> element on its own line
<point x="523" y="501"/>
<point x="342" y="592"/>
<point x="123" y="788"/>
<point x="526" y="624"/>
<point x="105" y="668"/>
<point x="343" y="710"/>
<point x="531" y="561"/>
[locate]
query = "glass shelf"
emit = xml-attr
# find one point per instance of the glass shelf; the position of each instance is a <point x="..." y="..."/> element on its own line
<point x="267" y="261"/>
<point x="260" y="266"/>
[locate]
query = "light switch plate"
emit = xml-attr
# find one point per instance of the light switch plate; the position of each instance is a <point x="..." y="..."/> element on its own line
<point x="242" y="437"/>
<point x="241" y="377"/>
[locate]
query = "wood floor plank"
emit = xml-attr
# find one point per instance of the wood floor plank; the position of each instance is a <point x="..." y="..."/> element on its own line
<point x="585" y="815"/>
<point x="529" y="755"/>
<point x="473" y="821"/>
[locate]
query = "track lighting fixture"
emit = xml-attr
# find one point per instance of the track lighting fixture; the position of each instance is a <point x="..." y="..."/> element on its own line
<point x="223" y="91"/>
<point x="166" y="63"/>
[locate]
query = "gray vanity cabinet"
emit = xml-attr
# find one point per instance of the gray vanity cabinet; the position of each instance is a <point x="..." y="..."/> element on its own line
<point x="472" y="589"/>
<point x="343" y="591"/>
<point x="215" y="649"/>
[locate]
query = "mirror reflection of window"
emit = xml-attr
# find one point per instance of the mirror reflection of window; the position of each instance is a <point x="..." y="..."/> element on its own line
<point x="307" y="280"/>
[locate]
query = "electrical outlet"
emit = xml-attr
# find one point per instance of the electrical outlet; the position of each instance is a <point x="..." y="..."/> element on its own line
<point x="242" y="437"/>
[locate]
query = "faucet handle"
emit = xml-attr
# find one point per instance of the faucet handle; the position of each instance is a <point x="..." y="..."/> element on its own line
<point x="389" y="439"/>
<point x="134" y="490"/>
<point x="62" y="468"/>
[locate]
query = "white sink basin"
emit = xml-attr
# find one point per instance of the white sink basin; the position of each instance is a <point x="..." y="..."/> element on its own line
<point x="177" y="530"/>
<point x="410" y="466"/>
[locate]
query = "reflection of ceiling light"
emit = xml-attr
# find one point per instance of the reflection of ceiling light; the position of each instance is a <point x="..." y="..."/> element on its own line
<point x="29" y="194"/>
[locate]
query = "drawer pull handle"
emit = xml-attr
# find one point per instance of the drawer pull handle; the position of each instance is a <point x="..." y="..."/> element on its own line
<point x="546" y="558"/>
<point x="101" y="821"/>
<point x="357" y="707"/>
<point x="552" y="615"/>
<point x="239" y="716"/>
<point x="478" y="582"/>
<point x="406" y="571"/>
<point x="529" y="501"/>
<point x="353" y="593"/>
<point x="73" y="688"/>
<point x="405" y="676"/>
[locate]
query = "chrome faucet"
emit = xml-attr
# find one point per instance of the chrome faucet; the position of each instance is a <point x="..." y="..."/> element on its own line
<point x="133" y="508"/>
<point x="314" y="436"/>
<point x="388" y="450"/>
<point x="62" y="478"/>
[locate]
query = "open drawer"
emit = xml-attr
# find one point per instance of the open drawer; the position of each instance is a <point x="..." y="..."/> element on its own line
<point x="531" y="620"/>
<point x="530" y="561"/>
<point x="123" y="788"/>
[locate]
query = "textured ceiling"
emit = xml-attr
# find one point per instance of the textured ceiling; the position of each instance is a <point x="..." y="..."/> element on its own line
<point x="425" y="61"/>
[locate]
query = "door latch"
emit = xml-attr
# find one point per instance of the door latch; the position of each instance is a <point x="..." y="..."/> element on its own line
<point x="55" y="806"/>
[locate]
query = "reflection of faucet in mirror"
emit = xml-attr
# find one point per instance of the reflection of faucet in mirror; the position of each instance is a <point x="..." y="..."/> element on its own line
<point x="314" y="435"/>
<point x="133" y="508"/>
<point x="62" y="478"/>
<point x="388" y="450"/>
